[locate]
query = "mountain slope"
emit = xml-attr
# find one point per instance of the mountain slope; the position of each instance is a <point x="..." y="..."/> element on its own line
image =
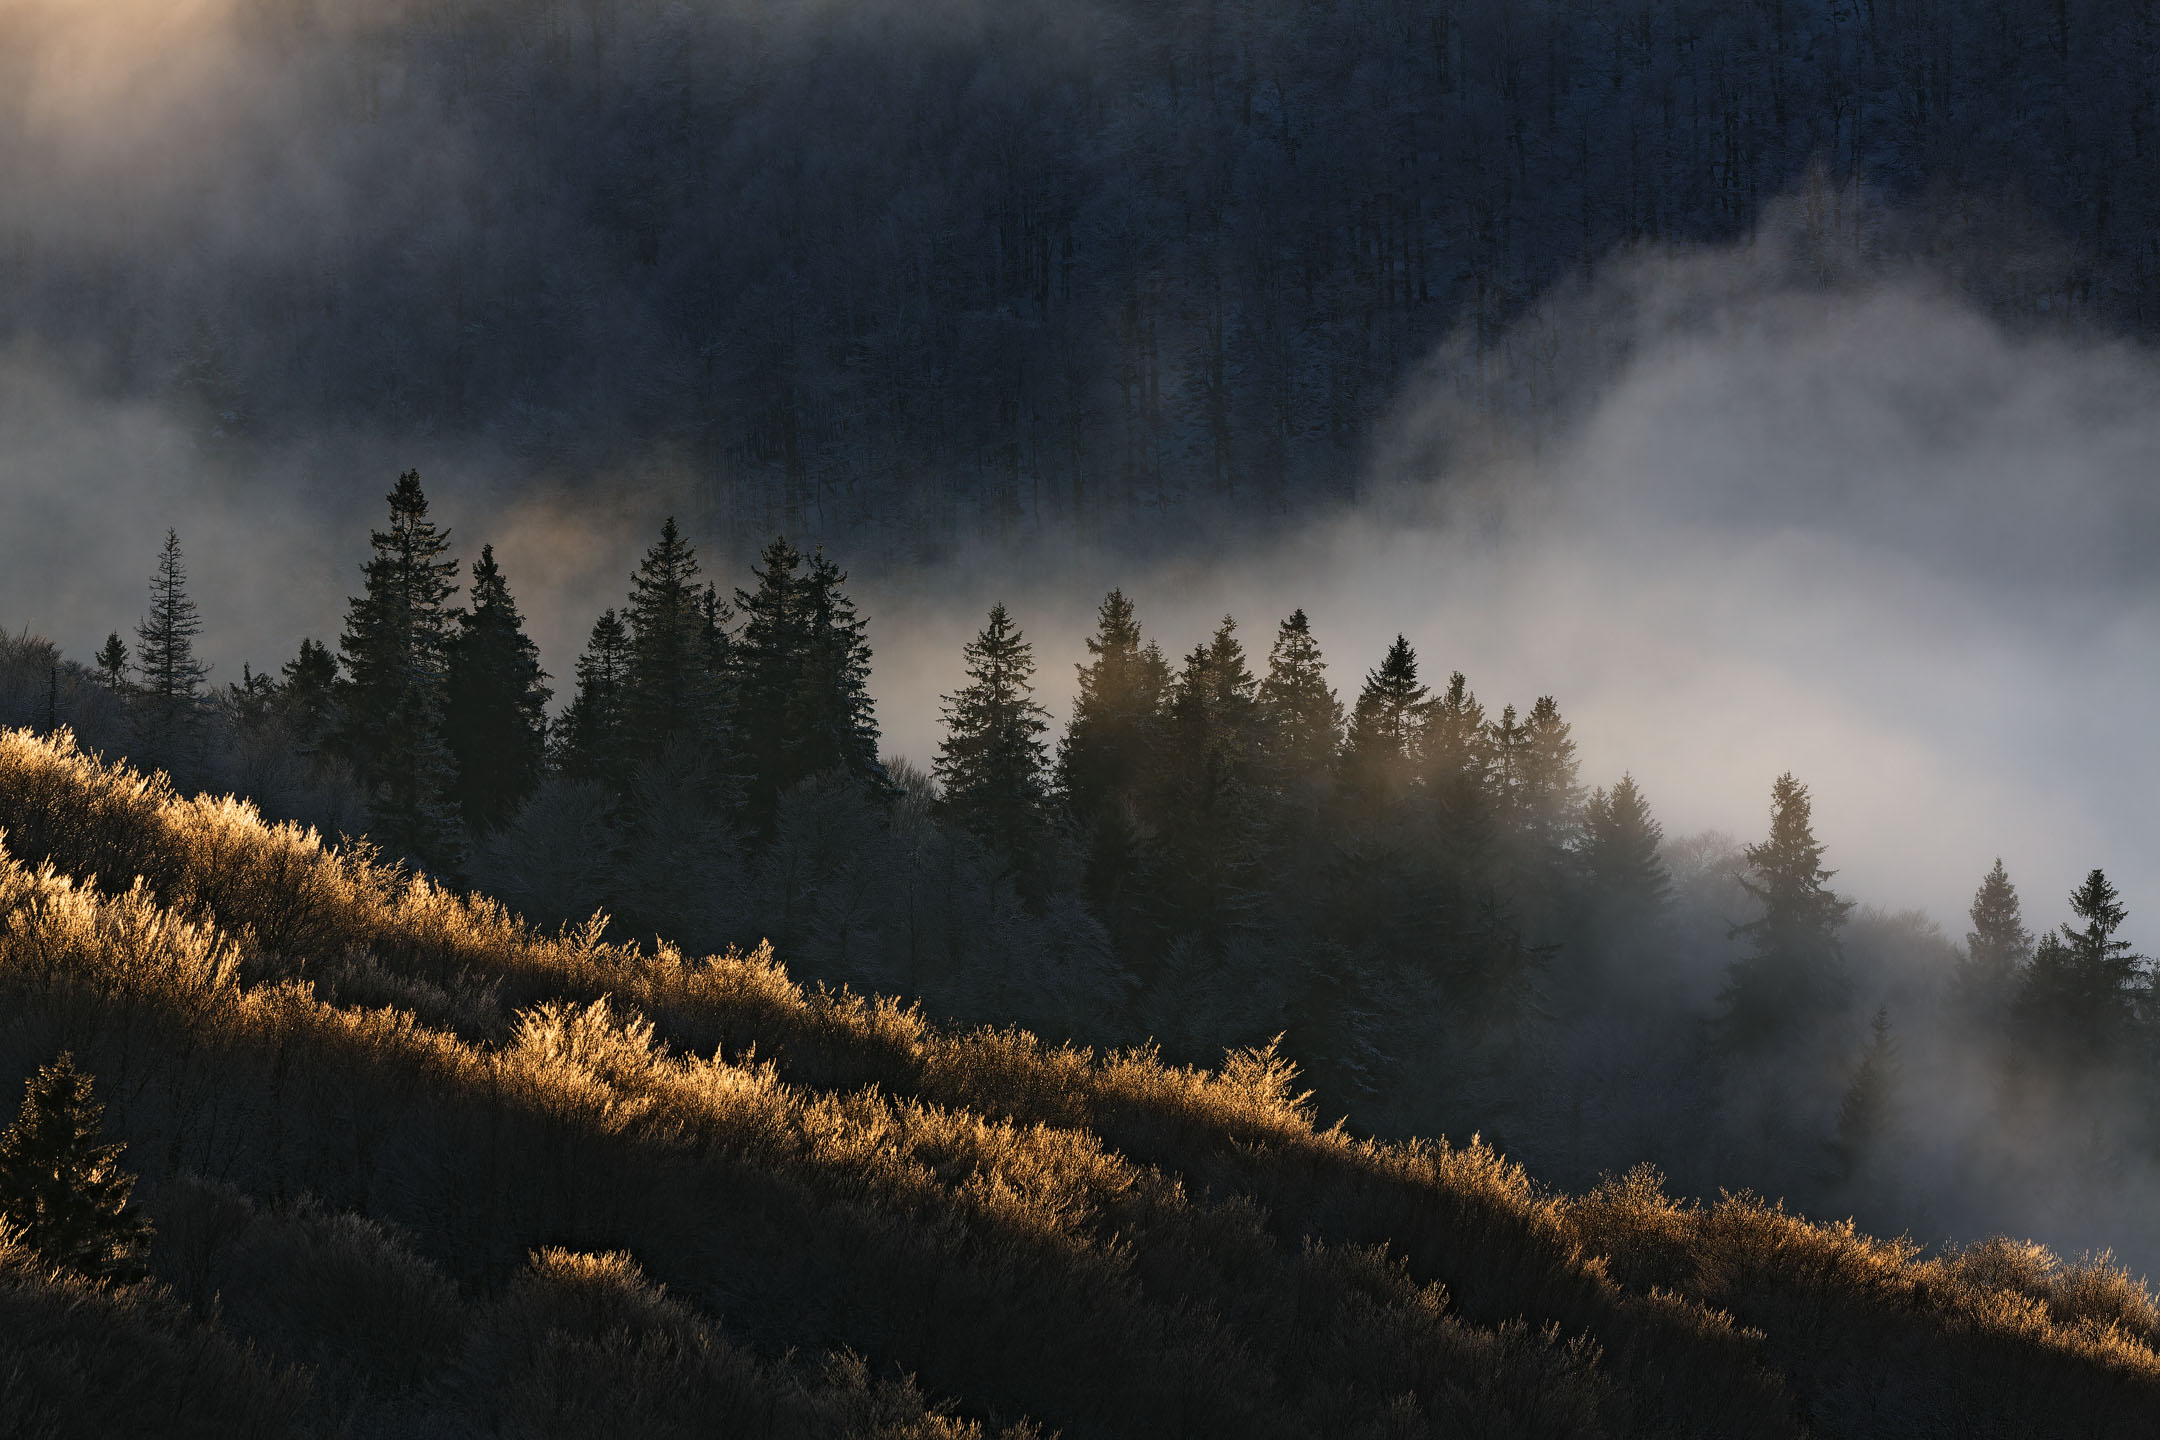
<point x="395" y="1136"/>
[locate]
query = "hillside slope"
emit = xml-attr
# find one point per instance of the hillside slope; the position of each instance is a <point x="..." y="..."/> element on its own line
<point x="417" y="1168"/>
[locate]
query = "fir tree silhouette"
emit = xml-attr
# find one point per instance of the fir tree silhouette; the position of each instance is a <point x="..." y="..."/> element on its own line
<point x="1793" y="971"/>
<point x="1384" y="727"/>
<point x="1620" y="852"/>
<point x="672" y="691"/>
<point x="991" y="761"/>
<point x="495" y="702"/>
<point x="1997" y="949"/>
<point x="1302" y="718"/>
<point x="112" y="664"/>
<point x="62" y="1187"/>
<point x="396" y="651"/>
<point x="589" y="735"/>
<point x="168" y="678"/>
<point x="2078" y="998"/>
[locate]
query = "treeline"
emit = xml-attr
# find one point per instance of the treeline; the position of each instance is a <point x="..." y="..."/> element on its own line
<point x="904" y="278"/>
<point x="408" y="1164"/>
<point x="1448" y="930"/>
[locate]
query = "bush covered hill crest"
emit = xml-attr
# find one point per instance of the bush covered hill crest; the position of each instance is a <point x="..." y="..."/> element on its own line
<point x="416" y="1167"/>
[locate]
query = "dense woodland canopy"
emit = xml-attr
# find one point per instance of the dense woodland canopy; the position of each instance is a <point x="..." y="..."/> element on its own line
<point x="894" y="274"/>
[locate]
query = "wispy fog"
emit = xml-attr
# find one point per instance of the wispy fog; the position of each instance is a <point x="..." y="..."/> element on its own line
<point x="1854" y="529"/>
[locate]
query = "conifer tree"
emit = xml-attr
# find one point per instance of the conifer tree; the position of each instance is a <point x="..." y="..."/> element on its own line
<point x="1302" y="719"/>
<point x="307" y="697"/>
<point x="589" y="737"/>
<point x="991" y="761"/>
<point x="395" y="651"/>
<point x="835" y="720"/>
<point x="1108" y="745"/>
<point x="1548" y="801"/>
<point x="1384" y="726"/>
<point x="1868" y="1114"/>
<point x="802" y="669"/>
<point x="1206" y="843"/>
<point x="1455" y="765"/>
<point x="252" y="701"/>
<point x="2079" y="994"/>
<point x="1620" y="852"/>
<point x="1110" y="751"/>
<point x="1793" y="971"/>
<point x="62" y="1187"/>
<point x="112" y="664"/>
<point x="494" y="702"/>
<point x="168" y="678"/>
<point x="673" y="692"/>
<point x="1997" y="948"/>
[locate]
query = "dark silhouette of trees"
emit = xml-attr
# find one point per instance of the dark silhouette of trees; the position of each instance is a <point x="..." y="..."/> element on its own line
<point x="395" y="651"/>
<point x="1792" y="974"/>
<point x="1384" y="728"/>
<point x="1109" y="751"/>
<point x="62" y="1187"/>
<point x="112" y="664"/>
<point x="494" y="702"/>
<point x="1997" y="948"/>
<point x="1205" y="846"/>
<point x="802" y="667"/>
<point x="1868" y="1114"/>
<point x="307" y="695"/>
<point x="1301" y="719"/>
<point x="673" y="695"/>
<point x="1620" y="853"/>
<point x="589" y="736"/>
<point x="2077" y="1001"/>
<point x="992" y="761"/>
<point x="167" y="693"/>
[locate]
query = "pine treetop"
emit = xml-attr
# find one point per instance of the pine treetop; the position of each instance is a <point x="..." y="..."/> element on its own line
<point x="992" y="757"/>
<point x="1303" y="716"/>
<point x="167" y="673"/>
<point x="1621" y="846"/>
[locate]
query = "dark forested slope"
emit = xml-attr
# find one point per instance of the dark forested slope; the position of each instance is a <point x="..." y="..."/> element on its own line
<point x="415" y="1168"/>
<point x="916" y="271"/>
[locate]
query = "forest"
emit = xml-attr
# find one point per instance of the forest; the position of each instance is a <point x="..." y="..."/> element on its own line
<point x="1405" y="915"/>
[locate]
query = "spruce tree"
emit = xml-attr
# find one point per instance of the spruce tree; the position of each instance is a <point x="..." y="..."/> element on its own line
<point x="1548" y="801"/>
<point x="835" y="720"/>
<point x="991" y="761"/>
<point x="1110" y="751"/>
<point x="112" y="664"/>
<point x="307" y="697"/>
<point x="2078" y="998"/>
<point x="802" y="670"/>
<point x="1868" y="1114"/>
<point x="1384" y="726"/>
<point x="1621" y="842"/>
<point x="1206" y="846"/>
<point x="1455" y="764"/>
<point x="673" y="692"/>
<point x="1109" y="744"/>
<point x="62" y="1187"/>
<point x="1301" y="718"/>
<point x="589" y="736"/>
<point x="1997" y="948"/>
<point x="1793" y="971"/>
<point x="395" y="651"/>
<point x="494" y="703"/>
<point x="168" y="678"/>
